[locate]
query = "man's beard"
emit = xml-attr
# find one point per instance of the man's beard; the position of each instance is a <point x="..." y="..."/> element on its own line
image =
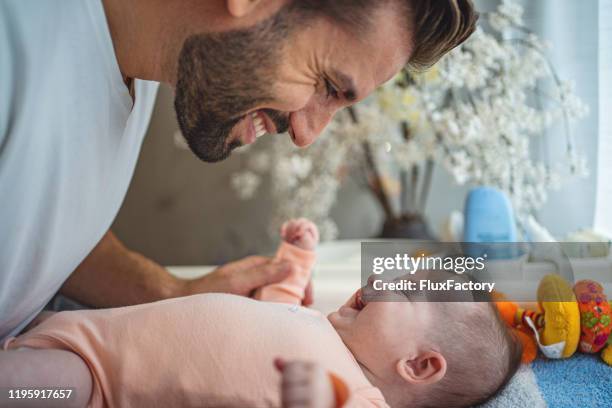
<point x="221" y="76"/>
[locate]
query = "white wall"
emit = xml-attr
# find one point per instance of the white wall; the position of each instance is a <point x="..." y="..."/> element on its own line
<point x="603" y="213"/>
<point x="571" y="27"/>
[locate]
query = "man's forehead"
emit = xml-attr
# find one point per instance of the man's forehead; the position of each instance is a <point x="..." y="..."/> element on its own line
<point x="358" y="83"/>
<point x="378" y="59"/>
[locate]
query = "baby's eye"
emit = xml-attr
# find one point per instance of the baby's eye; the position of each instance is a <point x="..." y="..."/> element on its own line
<point x="330" y="89"/>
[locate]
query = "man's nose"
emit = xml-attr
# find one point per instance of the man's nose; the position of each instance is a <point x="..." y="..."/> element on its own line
<point x="308" y="123"/>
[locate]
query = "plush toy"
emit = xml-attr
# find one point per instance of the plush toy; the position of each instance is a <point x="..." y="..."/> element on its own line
<point x="509" y="312"/>
<point x="566" y="319"/>
<point x="595" y="319"/>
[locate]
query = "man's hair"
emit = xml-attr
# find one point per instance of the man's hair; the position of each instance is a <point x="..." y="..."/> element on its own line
<point x="481" y="352"/>
<point x="437" y="26"/>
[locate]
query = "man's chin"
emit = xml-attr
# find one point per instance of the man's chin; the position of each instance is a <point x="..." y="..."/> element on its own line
<point x="212" y="152"/>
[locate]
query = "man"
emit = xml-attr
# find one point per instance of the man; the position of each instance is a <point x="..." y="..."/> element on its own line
<point x="78" y="90"/>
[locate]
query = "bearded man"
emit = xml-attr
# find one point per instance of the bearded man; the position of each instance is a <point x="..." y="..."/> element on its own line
<point x="79" y="80"/>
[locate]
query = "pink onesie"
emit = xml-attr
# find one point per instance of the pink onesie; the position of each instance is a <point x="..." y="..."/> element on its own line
<point x="212" y="350"/>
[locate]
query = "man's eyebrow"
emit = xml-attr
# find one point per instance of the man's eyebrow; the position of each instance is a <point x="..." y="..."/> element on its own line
<point x="347" y="84"/>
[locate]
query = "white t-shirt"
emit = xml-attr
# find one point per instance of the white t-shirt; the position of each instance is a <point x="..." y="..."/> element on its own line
<point x="69" y="141"/>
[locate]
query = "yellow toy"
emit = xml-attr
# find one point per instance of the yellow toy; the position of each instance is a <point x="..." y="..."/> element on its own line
<point x="566" y="319"/>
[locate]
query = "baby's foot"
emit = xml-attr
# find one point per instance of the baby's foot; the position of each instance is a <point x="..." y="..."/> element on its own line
<point x="301" y="232"/>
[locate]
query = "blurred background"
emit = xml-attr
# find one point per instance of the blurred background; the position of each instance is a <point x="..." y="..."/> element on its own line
<point x="180" y="211"/>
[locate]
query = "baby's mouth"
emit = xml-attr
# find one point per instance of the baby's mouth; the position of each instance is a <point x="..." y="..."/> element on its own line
<point x="353" y="306"/>
<point x="358" y="302"/>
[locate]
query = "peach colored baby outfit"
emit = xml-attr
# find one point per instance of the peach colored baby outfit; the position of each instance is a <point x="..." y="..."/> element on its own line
<point x="211" y="350"/>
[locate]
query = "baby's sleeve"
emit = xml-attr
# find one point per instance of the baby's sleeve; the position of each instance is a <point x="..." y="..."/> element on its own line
<point x="292" y="289"/>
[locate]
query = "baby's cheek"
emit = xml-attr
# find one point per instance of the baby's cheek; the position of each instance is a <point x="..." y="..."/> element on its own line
<point x="383" y="319"/>
<point x="369" y="341"/>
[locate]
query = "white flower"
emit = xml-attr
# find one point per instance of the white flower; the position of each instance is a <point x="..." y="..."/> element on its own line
<point x="259" y="162"/>
<point x="245" y="184"/>
<point x="478" y="112"/>
<point x="579" y="165"/>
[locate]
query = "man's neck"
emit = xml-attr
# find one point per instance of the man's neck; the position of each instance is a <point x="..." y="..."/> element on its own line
<point x="136" y="39"/>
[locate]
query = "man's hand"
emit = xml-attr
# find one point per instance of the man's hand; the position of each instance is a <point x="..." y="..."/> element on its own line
<point x="304" y="385"/>
<point x="113" y="276"/>
<point x="241" y="277"/>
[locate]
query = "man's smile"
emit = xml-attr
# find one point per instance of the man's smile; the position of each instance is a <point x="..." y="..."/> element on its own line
<point x="251" y="127"/>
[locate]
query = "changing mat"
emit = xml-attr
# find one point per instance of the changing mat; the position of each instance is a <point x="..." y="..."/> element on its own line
<point x="580" y="381"/>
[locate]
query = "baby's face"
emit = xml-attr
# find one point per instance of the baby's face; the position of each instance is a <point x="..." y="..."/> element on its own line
<point x="377" y="332"/>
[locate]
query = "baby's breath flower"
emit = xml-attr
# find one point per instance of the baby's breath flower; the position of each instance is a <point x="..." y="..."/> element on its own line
<point x="477" y="113"/>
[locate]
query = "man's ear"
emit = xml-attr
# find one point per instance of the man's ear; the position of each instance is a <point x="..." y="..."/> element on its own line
<point x="427" y="368"/>
<point x="241" y="8"/>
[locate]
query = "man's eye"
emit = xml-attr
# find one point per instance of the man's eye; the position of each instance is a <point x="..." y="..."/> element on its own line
<point x="330" y="89"/>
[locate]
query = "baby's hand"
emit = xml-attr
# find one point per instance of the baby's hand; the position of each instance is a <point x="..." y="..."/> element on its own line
<point x="302" y="233"/>
<point x="304" y="385"/>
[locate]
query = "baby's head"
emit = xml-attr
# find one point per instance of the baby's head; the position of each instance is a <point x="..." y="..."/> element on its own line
<point x="429" y="354"/>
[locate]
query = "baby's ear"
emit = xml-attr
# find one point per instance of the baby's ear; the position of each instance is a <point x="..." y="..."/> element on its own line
<point x="240" y="8"/>
<point x="427" y="368"/>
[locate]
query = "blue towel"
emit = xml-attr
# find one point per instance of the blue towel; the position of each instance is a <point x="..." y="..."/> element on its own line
<point x="579" y="382"/>
<point x="522" y="392"/>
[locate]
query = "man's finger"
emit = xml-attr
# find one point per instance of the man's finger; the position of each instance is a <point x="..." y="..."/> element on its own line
<point x="266" y="274"/>
<point x="250" y="262"/>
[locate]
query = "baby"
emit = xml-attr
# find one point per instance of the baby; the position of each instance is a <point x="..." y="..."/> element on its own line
<point x="218" y="350"/>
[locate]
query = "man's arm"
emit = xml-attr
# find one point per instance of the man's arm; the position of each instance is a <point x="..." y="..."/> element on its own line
<point x="113" y="276"/>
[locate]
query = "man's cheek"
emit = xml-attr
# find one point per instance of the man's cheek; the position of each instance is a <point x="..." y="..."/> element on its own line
<point x="292" y="98"/>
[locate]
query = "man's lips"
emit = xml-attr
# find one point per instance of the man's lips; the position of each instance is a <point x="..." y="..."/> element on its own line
<point x="257" y="125"/>
<point x="268" y="123"/>
<point x="254" y="125"/>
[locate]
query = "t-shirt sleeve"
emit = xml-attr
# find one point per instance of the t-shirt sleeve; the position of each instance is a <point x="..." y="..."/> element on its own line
<point x="6" y="78"/>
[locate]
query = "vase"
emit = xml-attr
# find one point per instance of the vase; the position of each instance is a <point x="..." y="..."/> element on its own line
<point x="408" y="226"/>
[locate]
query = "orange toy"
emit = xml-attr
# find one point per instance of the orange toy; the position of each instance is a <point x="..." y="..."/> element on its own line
<point x="581" y="319"/>
<point x="509" y="312"/>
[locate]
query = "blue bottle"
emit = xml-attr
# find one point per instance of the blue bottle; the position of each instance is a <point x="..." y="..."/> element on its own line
<point x="489" y="223"/>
